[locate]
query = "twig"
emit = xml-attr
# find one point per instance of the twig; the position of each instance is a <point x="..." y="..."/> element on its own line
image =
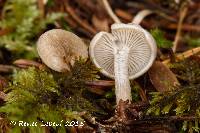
<point x="128" y="17"/>
<point x="185" y="27"/>
<point x="110" y="11"/>
<point x="99" y="86"/>
<point x="6" y="68"/>
<point x="183" y="118"/>
<point x="71" y="22"/>
<point x="143" y="95"/>
<point x="141" y="92"/>
<point x="165" y="16"/>
<point x="180" y="23"/>
<point x="41" y="7"/>
<point x="79" y="21"/>
<point x="184" y="55"/>
<point x="159" y="119"/>
<point x="141" y="15"/>
<point x="141" y="4"/>
<point x="172" y="26"/>
<point x="102" y="83"/>
<point x="26" y="63"/>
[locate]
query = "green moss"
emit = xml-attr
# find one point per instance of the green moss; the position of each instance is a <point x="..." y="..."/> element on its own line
<point x="161" y="41"/>
<point x="29" y="97"/>
<point x="22" y="18"/>
<point x="38" y="96"/>
<point x="192" y="41"/>
<point x="183" y="100"/>
<point x="74" y="86"/>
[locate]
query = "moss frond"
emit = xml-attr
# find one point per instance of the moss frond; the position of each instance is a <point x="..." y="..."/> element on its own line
<point x="161" y="41"/>
<point x="184" y="100"/>
<point x="38" y="96"/>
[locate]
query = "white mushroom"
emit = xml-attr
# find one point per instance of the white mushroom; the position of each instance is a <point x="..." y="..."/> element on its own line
<point x="58" y="49"/>
<point x="125" y="54"/>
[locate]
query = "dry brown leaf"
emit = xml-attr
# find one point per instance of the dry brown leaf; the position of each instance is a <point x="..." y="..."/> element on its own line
<point x="162" y="77"/>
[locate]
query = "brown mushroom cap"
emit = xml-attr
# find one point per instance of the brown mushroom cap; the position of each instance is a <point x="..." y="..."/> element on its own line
<point x="59" y="48"/>
<point x="142" y="49"/>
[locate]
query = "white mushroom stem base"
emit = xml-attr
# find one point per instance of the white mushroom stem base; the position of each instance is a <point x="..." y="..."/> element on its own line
<point x="122" y="83"/>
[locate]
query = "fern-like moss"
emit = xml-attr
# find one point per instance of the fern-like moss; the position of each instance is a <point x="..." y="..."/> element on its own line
<point x="29" y="98"/>
<point x="38" y="96"/>
<point x="74" y="86"/>
<point x="184" y="100"/>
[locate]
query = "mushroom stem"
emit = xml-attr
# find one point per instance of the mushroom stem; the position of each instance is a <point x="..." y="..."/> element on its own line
<point x="122" y="83"/>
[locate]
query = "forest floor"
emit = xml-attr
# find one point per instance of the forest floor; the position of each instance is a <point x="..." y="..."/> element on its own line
<point x="34" y="98"/>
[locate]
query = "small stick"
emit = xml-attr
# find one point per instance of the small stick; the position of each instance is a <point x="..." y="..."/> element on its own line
<point x="6" y="68"/>
<point x="71" y="22"/>
<point x="141" y="92"/>
<point x="102" y="83"/>
<point x="110" y="11"/>
<point x="143" y="95"/>
<point x="41" y="8"/>
<point x="99" y="86"/>
<point x="159" y="119"/>
<point x="185" y="27"/>
<point x="184" y="55"/>
<point x="79" y="21"/>
<point x="26" y="63"/>
<point x="180" y="23"/>
<point x="173" y="26"/>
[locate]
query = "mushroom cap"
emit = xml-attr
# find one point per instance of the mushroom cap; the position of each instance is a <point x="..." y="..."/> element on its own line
<point x="58" y="49"/>
<point x="142" y="51"/>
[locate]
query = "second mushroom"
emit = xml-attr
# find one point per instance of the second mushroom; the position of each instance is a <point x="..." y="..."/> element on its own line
<point x="125" y="54"/>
